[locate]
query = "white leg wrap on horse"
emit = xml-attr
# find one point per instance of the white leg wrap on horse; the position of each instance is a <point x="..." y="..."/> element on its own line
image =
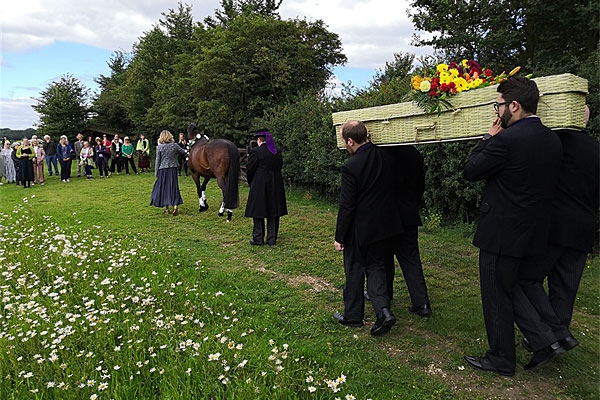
<point x="201" y="201"/>
<point x="229" y="211"/>
<point x="222" y="208"/>
<point x="204" y="196"/>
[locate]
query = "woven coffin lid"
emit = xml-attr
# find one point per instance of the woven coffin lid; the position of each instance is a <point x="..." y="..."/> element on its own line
<point x="564" y="83"/>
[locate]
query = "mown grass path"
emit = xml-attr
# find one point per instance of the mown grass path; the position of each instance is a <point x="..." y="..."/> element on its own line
<point x="286" y="294"/>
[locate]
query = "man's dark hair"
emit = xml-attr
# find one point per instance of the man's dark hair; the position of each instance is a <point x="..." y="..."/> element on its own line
<point x="522" y="90"/>
<point x="355" y="130"/>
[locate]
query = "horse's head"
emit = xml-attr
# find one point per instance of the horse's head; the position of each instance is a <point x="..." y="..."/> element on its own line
<point x="192" y="130"/>
<point x="194" y="133"/>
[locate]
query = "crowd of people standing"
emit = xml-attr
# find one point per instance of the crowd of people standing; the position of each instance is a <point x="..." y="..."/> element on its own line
<point x="22" y="163"/>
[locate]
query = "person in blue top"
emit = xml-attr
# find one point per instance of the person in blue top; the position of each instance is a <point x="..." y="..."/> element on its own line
<point x="63" y="153"/>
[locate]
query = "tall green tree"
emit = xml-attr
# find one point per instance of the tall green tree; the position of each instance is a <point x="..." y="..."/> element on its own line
<point x="231" y="9"/>
<point x="256" y="63"/>
<point x="63" y="108"/>
<point x="108" y="107"/>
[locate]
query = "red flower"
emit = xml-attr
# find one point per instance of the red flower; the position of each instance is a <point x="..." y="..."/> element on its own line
<point x="434" y="85"/>
<point x="474" y="67"/>
<point x="436" y="81"/>
<point x="432" y="94"/>
<point x="444" y="87"/>
<point x="488" y="73"/>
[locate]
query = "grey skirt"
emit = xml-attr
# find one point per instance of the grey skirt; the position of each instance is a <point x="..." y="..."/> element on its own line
<point x="166" y="189"/>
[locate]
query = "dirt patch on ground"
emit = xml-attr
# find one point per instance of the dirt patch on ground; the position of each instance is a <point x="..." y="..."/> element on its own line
<point x="316" y="284"/>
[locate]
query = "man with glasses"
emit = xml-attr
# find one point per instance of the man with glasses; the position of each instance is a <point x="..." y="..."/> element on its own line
<point x="519" y="158"/>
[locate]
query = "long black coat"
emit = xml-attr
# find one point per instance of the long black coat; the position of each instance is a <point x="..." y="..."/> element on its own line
<point x="367" y="210"/>
<point x="576" y="201"/>
<point x="409" y="171"/>
<point x="521" y="166"/>
<point x="267" y="194"/>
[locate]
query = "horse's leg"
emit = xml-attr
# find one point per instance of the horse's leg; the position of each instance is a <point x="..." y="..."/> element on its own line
<point x="196" y="179"/>
<point x="223" y="184"/>
<point x="202" y="195"/>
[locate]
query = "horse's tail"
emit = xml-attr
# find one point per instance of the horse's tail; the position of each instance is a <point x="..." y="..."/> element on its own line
<point x="231" y="196"/>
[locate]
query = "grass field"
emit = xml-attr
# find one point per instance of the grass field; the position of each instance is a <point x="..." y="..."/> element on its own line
<point x="105" y="297"/>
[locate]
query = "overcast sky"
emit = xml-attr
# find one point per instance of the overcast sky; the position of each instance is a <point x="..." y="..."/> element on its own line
<point x="44" y="39"/>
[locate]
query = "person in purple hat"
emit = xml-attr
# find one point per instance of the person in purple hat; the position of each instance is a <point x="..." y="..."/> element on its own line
<point x="267" y="194"/>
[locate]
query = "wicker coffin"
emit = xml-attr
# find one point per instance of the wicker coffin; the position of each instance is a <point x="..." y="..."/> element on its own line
<point x="562" y="101"/>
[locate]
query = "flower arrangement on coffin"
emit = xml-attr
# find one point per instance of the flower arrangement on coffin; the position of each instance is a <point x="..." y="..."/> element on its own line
<point x="432" y="89"/>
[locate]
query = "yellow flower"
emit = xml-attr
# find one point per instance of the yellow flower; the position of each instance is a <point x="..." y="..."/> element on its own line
<point x="473" y="84"/>
<point x="442" y="67"/>
<point x="416" y="82"/>
<point x="445" y="77"/>
<point x="461" y="85"/>
<point x="453" y="72"/>
<point x="464" y="63"/>
<point x="425" y="86"/>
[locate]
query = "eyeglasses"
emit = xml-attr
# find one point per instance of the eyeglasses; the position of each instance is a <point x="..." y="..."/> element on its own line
<point x="497" y="105"/>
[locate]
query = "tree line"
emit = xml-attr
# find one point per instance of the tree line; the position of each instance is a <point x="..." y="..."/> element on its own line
<point x="246" y="68"/>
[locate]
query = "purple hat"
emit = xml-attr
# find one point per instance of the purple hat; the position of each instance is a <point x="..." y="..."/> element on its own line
<point x="269" y="140"/>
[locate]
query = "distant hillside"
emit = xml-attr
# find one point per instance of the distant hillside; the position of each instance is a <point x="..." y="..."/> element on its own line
<point x="11" y="134"/>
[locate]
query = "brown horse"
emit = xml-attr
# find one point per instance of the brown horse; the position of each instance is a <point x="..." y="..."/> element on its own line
<point x="219" y="159"/>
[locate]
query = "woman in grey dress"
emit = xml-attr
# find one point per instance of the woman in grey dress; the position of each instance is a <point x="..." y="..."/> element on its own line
<point x="165" y="192"/>
<point x="9" y="168"/>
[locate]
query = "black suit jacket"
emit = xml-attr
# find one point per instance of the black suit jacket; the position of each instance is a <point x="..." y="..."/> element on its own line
<point x="576" y="201"/>
<point x="520" y="165"/>
<point x="267" y="193"/>
<point x="409" y="186"/>
<point x="367" y="211"/>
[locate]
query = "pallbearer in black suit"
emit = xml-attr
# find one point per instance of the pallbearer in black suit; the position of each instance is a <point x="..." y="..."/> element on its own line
<point x="367" y="221"/>
<point x="520" y="159"/>
<point x="572" y="234"/>
<point x="409" y="171"/>
<point x="267" y="194"/>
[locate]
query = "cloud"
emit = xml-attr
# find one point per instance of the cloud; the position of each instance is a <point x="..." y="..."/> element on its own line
<point x="16" y="113"/>
<point x="109" y="24"/>
<point x="371" y="30"/>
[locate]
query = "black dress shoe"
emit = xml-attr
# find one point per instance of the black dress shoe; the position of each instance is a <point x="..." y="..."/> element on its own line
<point x="253" y="243"/>
<point x="527" y="346"/>
<point x="568" y="343"/>
<point x="384" y="322"/>
<point x="544" y="356"/>
<point x="483" y="364"/>
<point x="342" y="320"/>
<point x="423" y="311"/>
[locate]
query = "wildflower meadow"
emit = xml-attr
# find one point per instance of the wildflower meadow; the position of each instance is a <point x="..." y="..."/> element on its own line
<point x="119" y="301"/>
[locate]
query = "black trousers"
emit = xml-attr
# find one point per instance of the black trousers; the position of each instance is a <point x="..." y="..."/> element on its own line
<point x="498" y="279"/>
<point x="360" y="262"/>
<point x="564" y="267"/>
<point x="65" y="169"/>
<point x="406" y="250"/>
<point x="129" y="161"/>
<point x="102" y="164"/>
<point x="117" y="162"/>
<point x="183" y="164"/>
<point x="258" y="231"/>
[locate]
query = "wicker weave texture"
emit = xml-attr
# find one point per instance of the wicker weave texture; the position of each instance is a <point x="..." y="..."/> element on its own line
<point x="562" y="100"/>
